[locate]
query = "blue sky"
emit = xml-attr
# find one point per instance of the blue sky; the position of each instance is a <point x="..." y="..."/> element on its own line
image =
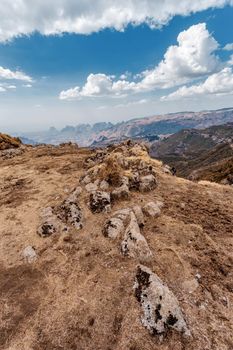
<point x="115" y="70"/>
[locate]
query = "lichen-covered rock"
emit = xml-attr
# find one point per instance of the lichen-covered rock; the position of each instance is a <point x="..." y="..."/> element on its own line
<point x="147" y="183"/>
<point x="134" y="244"/>
<point x="50" y="223"/>
<point x="113" y="228"/>
<point x="160" y="307"/>
<point x="139" y="215"/>
<point x="152" y="209"/>
<point x="100" y="202"/>
<point x="71" y="213"/>
<point x="121" y="192"/>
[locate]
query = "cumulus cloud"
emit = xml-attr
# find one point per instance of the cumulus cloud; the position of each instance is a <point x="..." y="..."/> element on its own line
<point x="228" y="47"/>
<point x="220" y="83"/>
<point x="193" y="57"/>
<point x="19" y="17"/>
<point x="2" y="89"/>
<point x="10" y="75"/>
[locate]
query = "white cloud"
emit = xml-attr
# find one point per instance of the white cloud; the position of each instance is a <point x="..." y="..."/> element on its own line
<point x="220" y="83"/>
<point x="228" y="47"/>
<point x="19" y="17"/>
<point x="10" y="75"/>
<point x="27" y="85"/>
<point x="192" y="58"/>
<point x="11" y="87"/>
<point x="2" y="89"/>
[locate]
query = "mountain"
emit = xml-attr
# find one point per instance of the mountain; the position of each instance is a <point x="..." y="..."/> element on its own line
<point x="147" y="129"/>
<point x="105" y="249"/>
<point x="204" y="154"/>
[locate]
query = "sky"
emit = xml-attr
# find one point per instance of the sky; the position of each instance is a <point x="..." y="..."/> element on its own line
<point x="65" y="62"/>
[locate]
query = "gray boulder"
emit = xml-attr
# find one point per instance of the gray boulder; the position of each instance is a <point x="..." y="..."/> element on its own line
<point x="159" y="305"/>
<point x="152" y="209"/>
<point x="134" y="244"/>
<point x="147" y="183"/>
<point x="113" y="228"/>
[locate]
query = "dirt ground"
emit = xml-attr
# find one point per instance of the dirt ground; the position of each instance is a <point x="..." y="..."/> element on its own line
<point x="78" y="294"/>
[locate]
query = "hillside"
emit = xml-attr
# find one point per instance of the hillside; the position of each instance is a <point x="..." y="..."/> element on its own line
<point x="148" y="129"/>
<point x="104" y="249"/>
<point x="7" y="142"/>
<point x="205" y="154"/>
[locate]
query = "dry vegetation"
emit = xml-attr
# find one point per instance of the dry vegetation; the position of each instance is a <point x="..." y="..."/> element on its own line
<point x="78" y="293"/>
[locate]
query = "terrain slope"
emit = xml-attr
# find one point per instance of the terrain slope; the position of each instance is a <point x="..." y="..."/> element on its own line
<point x="75" y="273"/>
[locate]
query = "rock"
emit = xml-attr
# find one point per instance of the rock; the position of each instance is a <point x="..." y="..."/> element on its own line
<point x="29" y="254"/>
<point x="104" y="185"/>
<point x="100" y="201"/>
<point x="91" y="187"/>
<point x="50" y="223"/>
<point x="75" y="195"/>
<point x="160" y="307"/>
<point x="121" y="192"/>
<point x="139" y="215"/>
<point x="123" y="214"/>
<point x="152" y="209"/>
<point x="71" y="213"/>
<point x="134" y="243"/>
<point x="113" y="228"/>
<point x="86" y="180"/>
<point x="147" y="183"/>
<point x="134" y="181"/>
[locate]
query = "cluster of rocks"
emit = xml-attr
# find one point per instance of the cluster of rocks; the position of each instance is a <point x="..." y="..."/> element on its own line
<point x="110" y="178"/>
<point x="56" y="219"/>
<point x="12" y="152"/>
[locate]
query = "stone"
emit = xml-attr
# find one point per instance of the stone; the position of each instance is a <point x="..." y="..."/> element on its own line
<point x="190" y="285"/>
<point x="86" y="180"/>
<point x="121" y="192"/>
<point x="113" y="228"/>
<point x="29" y="254"/>
<point x="152" y="210"/>
<point x="147" y="183"/>
<point x="74" y="196"/>
<point x="134" y="244"/>
<point x="91" y="187"/>
<point x="139" y="215"/>
<point x="71" y="213"/>
<point x="123" y="214"/>
<point x="100" y="202"/>
<point x="160" y="306"/>
<point x="50" y="223"/>
<point x="104" y="185"/>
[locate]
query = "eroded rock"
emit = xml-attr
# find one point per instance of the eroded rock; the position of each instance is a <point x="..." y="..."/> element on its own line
<point x="134" y="244"/>
<point x="29" y="254"/>
<point x="113" y="228"/>
<point x="160" y="307"/>
<point x="152" y="209"/>
<point x="91" y="187"/>
<point x="50" y="223"/>
<point x="139" y="215"/>
<point x="100" y="202"/>
<point x="147" y="183"/>
<point x="121" y="192"/>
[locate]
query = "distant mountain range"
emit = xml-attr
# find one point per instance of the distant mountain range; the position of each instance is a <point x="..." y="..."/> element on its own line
<point x="199" y="154"/>
<point x="149" y="128"/>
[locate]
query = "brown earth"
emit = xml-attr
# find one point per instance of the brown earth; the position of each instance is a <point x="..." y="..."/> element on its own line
<point x="78" y="294"/>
